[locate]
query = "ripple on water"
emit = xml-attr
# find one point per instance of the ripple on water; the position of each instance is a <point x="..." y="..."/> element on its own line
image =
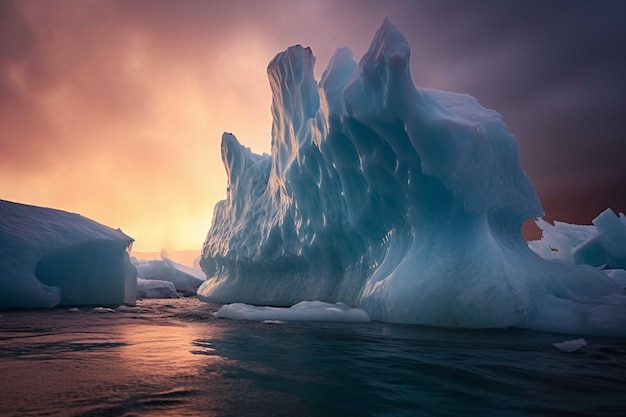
<point x="172" y="357"/>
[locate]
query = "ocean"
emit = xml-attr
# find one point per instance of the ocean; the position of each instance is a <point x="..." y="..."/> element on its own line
<point x="174" y="358"/>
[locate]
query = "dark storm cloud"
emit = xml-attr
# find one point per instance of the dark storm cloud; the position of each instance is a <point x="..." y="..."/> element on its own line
<point x="555" y="71"/>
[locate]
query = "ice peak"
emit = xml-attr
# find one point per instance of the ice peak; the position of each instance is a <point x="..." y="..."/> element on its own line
<point x="241" y="166"/>
<point x="341" y="68"/>
<point x="295" y="100"/>
<point x="387" y="42"/>
<point x="388" y="52"/>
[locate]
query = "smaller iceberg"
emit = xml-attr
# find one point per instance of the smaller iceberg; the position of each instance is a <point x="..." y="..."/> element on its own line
<point x="184" y="279"/>
<point x="303" y="311"/>
<point x="51" y="257"/>
<point x="155" y="288"/>
<point x="103" y="310"/>
<point x="570" y="345"/>
<point x="602" y="244"/>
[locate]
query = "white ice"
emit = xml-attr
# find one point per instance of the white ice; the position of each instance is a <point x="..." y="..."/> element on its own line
<point x="127" y="309"/>
<point x="570" y="345"/>
<point x="51" y="257"/>
<point x="405" y="202"/>
<point x="103" y="310"/>
<point x="303" y="311"/>
<point x="155" y="288"/>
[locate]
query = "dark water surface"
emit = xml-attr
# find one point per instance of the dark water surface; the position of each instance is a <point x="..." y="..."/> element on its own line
<point x="173" y="358"/>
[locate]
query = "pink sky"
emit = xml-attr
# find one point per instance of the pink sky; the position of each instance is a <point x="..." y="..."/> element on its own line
<point x="115" y="109"/>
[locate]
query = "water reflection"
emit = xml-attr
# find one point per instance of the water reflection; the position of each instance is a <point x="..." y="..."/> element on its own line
<point x="376" y="369"/>
<point x="166" y="349"/>
<point x="172" y="357"/>
<point x="143" y="361"/>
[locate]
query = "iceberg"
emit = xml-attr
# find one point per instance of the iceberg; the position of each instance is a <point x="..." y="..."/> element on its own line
<point x="156" y="288"/>
<point x="51" y="257"/>
<point x="405" y="202"/>
<point x="185" y="279"/>
<point x="570" y="346"/>
<point x="602" y="244"/>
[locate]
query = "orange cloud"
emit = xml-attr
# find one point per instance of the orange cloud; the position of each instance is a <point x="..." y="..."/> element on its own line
<point x="127" y="127"/>
<point x="115" y="109"/>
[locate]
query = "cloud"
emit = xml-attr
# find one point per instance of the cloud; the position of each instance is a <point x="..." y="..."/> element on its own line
<point x="115" y="109"/>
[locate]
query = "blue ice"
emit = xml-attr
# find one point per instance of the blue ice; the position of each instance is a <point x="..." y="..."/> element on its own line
<point x="405" y="202"/>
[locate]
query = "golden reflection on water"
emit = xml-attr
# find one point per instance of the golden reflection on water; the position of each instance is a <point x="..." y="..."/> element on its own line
<point x="162" y="346"/>
<point x="165" y="349"/>
<point x="106" y="364"/>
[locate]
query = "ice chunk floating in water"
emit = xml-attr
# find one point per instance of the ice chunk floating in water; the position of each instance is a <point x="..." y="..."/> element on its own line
<point x="405" y="202"/>
<point x="303" y="311"/>
<point x="51" y="257"/>
<point x="570" y="345"/>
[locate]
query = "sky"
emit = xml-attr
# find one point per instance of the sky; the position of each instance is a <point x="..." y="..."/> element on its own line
<point x="115" y="109"/>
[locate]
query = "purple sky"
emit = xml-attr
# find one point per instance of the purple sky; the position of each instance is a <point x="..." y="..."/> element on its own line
<point x="115" y="109"/>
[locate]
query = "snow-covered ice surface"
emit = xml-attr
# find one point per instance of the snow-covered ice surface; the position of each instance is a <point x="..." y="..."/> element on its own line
<point x="303" y="311"/>
<point x="51" y="257"/>
<point x="405" y="202"/>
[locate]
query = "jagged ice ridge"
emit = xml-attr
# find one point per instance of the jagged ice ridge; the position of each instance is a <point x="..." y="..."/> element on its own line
<point x="405" y="202"/>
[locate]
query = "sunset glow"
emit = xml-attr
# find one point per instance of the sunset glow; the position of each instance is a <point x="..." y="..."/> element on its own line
<point x="115" y="110"/>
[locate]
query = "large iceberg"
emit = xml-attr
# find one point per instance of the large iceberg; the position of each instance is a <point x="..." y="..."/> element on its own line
<point x="51" y="257"/>
<point x="405" y="202"/>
